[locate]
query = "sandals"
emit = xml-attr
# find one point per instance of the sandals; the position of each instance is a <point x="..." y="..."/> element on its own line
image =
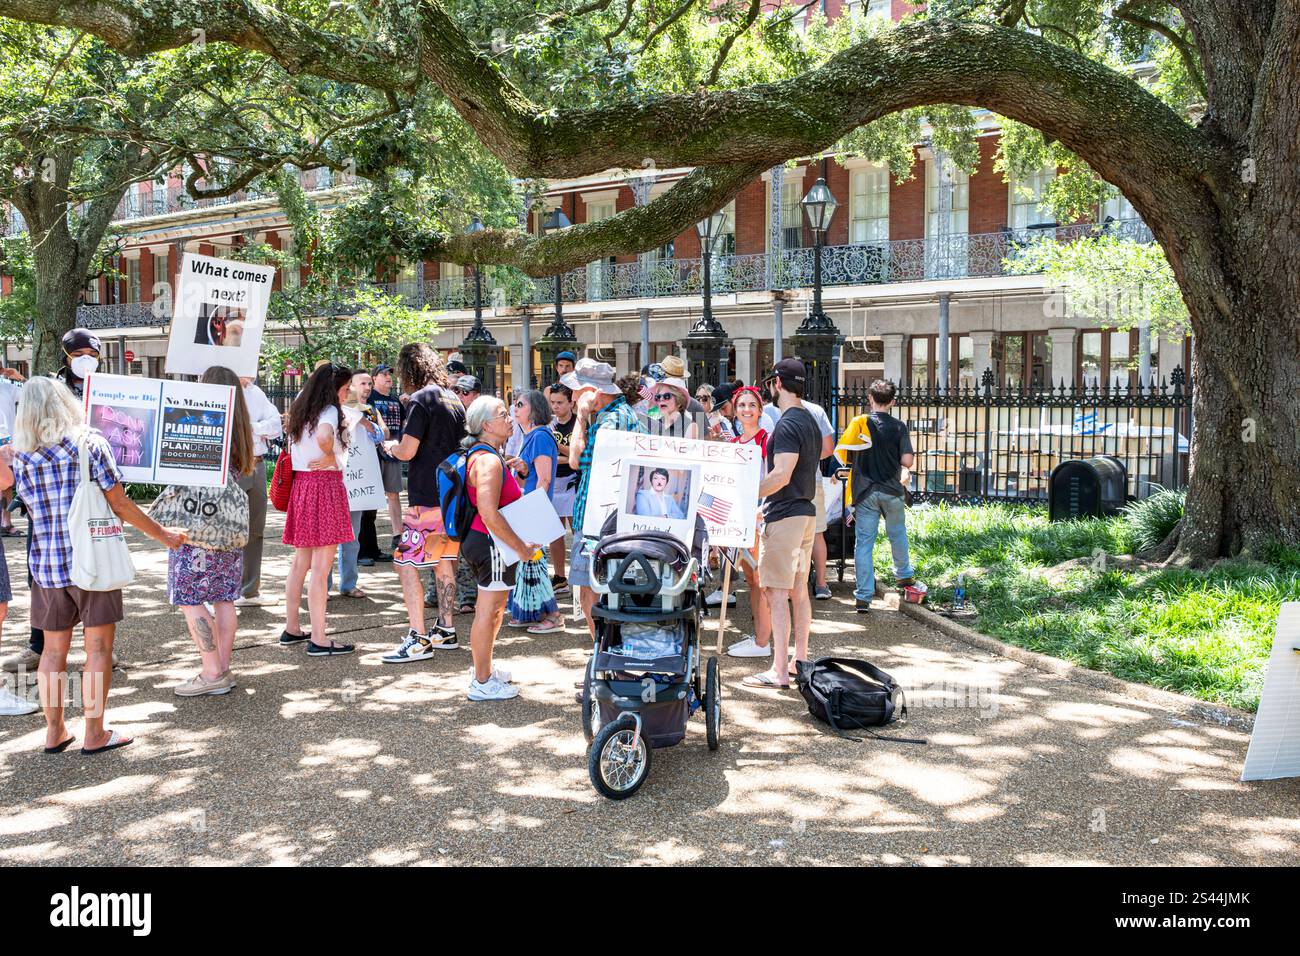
<point x="764" y="679"/>
<point x="115" y="740"/>
<point x="11" y="533"/>
<point x="355" y="593"/>
<point x="541" y="627"/>
<point x="59" y="748"/>
<point x="465" y="609"/>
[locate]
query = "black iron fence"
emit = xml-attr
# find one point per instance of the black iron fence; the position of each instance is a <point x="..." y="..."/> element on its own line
<point x="1000" y="442"/>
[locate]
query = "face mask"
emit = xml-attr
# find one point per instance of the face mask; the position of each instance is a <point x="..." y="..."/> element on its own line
<point x="83" y="365"/>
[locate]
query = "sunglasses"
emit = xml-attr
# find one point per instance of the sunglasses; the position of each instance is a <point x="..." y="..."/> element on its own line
<point x="665" y="397"/>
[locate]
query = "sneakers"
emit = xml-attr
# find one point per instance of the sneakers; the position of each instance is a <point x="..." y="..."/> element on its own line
<point x="332" y="649"/>
<point x="199" y="686"/>
<point x="416" y="647"/>
<point x="861" y="606"/>
<point x="905" y="582"/>
<point x="560" y="585"/>
<point x="286" y="638"/>
<point x="501" y="674"/>
<point x="365" y="562"/>
<point x="257" y="600"/>
<point x="822" y="593"/>
<point x="25" y="660"/>
<point x="11" y="705"/>
<point x="383" y="557"/>
<point x="491" y="689"/>
<point x="715" y="599"/>
<point x="748" y="648"/>
<point x="443" y="637"/>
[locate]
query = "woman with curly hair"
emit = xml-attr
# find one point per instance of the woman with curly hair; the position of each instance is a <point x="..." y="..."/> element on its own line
<point x="317" y="520"/>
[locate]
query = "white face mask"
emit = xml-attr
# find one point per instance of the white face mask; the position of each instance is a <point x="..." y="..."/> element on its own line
<point x="83" y="365"/>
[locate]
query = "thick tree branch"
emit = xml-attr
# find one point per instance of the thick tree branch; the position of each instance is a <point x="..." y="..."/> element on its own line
<point x="1125" y="12"/>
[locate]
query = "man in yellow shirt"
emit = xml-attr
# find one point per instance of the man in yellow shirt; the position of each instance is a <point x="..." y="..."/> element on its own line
<point x="883" y="450"/>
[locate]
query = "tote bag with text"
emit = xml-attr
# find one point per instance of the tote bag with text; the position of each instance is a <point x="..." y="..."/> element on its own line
<point x="100" y="558"/>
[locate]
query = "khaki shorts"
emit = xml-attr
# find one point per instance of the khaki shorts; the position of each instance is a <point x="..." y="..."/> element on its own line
<point x="785" y="552"/>
<point x="819" y="502"/>
<point x="62" y="609"/>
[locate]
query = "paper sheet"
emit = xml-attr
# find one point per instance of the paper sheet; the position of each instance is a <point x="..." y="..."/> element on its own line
<point x="1275" y="742"/>
<point x="533" y="518"/>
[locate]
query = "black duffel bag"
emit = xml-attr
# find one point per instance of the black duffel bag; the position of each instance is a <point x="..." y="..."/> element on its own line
<point x="844" y="692"/>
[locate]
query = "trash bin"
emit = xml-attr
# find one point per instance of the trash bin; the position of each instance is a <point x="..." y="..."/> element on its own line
<point x="1087" y="488"/>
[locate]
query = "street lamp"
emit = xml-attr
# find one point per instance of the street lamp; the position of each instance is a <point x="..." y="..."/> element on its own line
<point x="479" y="350"/>
<point x="559" y="336"/>
<point x="817" y="339"/>
<point x="706" y="344"/>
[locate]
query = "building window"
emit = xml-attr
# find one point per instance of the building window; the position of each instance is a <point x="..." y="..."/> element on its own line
<point x="1025" y="198"/>
<point x="1117" y="207"/>
<point x="869" y="204"/>
<point x="408" y="280"/>
<point x="871" y="9"/>
<point x="290" y="277"/>
<point x="160" y="270"/>
<point x="924" y="361"/>
<point x="947" y="206"/>
<point x="600" y="272"/>
<point x="725" y="245"/>
<point x="920" y="371"/>
<point x="132" y="280"/>
<point x="92" y="292"/>
<point x="1023" y="359"/>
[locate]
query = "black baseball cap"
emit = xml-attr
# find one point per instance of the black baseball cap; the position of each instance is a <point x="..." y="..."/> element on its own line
<point x="381" y="368"/>
<point x="467" y="384"/>
<point x="456" y="366"/>
<point x="723" y="393"/>
<point x="789" y="370"/>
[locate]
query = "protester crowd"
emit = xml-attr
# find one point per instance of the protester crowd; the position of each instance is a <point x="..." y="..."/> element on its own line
<point x="422" y="414"/>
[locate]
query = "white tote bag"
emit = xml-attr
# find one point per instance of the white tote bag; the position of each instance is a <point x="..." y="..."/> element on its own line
<point x="101" y="560"/>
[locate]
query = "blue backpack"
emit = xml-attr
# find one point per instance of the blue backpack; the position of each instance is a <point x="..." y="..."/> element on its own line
<point x="453" y="497"/>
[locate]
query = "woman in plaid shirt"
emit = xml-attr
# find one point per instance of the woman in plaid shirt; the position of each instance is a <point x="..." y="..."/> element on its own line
<point x="47" y="471"/>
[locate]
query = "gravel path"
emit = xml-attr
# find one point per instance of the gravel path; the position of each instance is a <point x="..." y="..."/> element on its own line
<point x="349" y="761"/>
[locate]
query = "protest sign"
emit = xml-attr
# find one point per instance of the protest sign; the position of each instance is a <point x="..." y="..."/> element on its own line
<point x="533" y="518"/>
<point x="361" y="475"/>
<point x="163" y="432"/>
<point x="219" y="315"/>
<point x="660" y="483"/>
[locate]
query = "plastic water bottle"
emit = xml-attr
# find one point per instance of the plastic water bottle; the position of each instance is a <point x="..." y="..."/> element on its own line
<point x="959" y="595"/>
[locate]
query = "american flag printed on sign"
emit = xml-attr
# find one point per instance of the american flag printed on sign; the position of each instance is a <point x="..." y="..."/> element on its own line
<point x="713" y="509"/>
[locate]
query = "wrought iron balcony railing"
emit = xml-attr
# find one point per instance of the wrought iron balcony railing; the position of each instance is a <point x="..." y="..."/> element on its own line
<point x="902" y="260"/>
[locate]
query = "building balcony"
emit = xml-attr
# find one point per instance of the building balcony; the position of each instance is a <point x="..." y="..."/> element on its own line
<point x="963" y="256"/>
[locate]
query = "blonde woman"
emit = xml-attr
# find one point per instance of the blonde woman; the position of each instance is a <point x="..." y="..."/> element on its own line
<point x="47" y="471"/>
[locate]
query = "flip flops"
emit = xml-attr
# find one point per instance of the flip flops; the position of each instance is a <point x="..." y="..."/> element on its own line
<point x="59" y="748"/>
<point x="115" y="740"/>
<point x="764" y="679"/>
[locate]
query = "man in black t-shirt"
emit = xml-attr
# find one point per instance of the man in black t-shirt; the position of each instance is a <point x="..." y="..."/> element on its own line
<point x="393" y="412"/>
<point x="435" y="425"/>
<point x="876" y="483"/>
<point x="789" y="521"/>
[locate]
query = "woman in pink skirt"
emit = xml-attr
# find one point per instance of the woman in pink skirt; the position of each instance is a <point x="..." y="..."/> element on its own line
<point x="318" y="520"/>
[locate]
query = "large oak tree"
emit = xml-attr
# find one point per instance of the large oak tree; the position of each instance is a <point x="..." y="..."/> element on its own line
<point x="1220" y="193"/>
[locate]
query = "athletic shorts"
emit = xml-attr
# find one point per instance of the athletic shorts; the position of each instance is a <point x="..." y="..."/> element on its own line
<point x="563" y="493"/>
<point x="785" y="552"/>
<point x="62" y="609"/>
<point x="390" y="469"/>
<point x="424" y="541"/>
<point x="479" y="553"/>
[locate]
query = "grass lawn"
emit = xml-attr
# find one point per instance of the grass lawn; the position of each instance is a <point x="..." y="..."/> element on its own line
<point x="1207" y="634"/>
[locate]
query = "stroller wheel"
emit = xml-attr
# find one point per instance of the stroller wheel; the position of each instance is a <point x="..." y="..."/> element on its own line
<point x="617" y="768"/>
<point x="590" y="707"/>
<point x="712" y="704"/>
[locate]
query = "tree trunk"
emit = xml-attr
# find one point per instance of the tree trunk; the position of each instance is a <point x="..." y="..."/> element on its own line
<point x="60" y="277"/>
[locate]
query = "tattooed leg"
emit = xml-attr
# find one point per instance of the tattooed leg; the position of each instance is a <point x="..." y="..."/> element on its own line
<point x="203" y="631"/>
<point x="446" y="577"/>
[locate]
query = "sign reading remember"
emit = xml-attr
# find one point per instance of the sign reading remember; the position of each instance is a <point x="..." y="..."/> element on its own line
<point x="163" y="432"/>
<point x="219" y="315"/>
<point x="716" y="480"/>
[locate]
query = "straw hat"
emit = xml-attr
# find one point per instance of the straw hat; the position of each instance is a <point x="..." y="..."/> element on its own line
<point x="674" y="367"/>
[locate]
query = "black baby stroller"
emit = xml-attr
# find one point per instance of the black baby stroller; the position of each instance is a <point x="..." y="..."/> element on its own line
<point x="643" y="680"/>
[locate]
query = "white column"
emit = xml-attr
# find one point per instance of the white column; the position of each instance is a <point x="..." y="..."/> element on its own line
<point x="1062" y="356"/>
<point x="623" y="359"/>
<point x="942" y="343"/>
<point x="744" y="360"/>
<point x="982" y="345"/>
<point x="778" y="330"/>
<point x="894" y="364"/>
<point x="643" y="315"/>
<point x="516" y="366"/>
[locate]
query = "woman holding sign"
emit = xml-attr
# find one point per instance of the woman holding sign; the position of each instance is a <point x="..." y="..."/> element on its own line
<point x="196" y="576"/>
<point x="532" y="602"/>
<point x="749" y="418"/>
<point x="317" y="520"/>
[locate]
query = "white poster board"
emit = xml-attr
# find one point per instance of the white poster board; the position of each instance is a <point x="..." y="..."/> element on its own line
<point x="1275" y="741"/>
<point x="716" y="480"/>
<point x="361" y="474"/>
<point x="163" y="432"/>
<point x="218" y="315"/>
<point x="534" y="519"/>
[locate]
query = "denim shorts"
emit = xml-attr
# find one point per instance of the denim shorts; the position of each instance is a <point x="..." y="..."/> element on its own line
<point x="580" y="563"/>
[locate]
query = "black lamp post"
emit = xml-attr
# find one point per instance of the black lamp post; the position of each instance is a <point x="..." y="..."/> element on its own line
<point x="480" y="351"/>
<point x="706" y="344"/>
<point x="559" y="335"/>
<point x="817" y="341"/>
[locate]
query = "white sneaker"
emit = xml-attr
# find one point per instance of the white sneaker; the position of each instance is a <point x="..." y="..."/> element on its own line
<point x="257" y="600"/>
<point x="11" y="705"/>
<point x="501" y="674"/>
<point x="748" y="648"/>
<point x="491" y="689"/>
<point x="715" y="599"/>
<point x="25" y="660"/>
